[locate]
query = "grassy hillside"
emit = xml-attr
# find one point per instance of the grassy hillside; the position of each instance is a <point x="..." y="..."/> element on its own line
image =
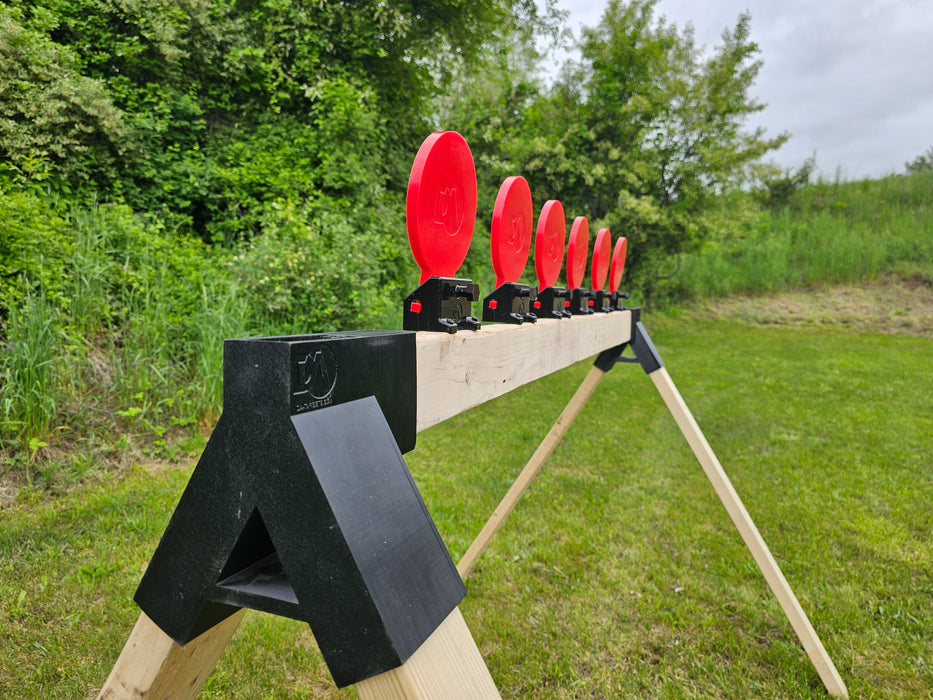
<point x="827" y="234"/>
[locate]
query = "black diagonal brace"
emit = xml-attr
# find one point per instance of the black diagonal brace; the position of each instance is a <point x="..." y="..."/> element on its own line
<point x="644" y="351"/>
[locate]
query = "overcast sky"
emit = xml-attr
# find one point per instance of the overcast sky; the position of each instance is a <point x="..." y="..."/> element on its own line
<point x="851" y="80"/>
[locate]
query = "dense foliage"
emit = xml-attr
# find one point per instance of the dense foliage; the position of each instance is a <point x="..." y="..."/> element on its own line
<point x="179" y="90"/>
<point x="235" y="120"/>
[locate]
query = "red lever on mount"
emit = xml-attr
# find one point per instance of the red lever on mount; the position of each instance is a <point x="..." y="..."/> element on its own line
<point x="510" y="234"/>
<point x="549" y="243"/>
<point x="440" y="208"/>
<point x="577" y="251"/>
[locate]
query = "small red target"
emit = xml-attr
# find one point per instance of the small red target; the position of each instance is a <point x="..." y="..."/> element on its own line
<point x="510" y="233"/>
<point x="549" y="243"/>
<point x="617" y="267"/>
<point x="440" y="209"/>
<point x="577" y="251"/>
<point x="602" y="251"/>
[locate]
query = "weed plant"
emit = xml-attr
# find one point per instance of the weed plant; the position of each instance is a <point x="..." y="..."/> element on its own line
<point x="28" y="368"/>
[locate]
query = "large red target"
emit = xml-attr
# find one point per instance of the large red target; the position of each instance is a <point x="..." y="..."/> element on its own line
<point x="549" y="243"/>
<point x="602" y="250"/>
<point x="618" y="264"/>
<point x="440" y="209"/>
<point x="577" y="251"/>
<point x="510" y="233"/>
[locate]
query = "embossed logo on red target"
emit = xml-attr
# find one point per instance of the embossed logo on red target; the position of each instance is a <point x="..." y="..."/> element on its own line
<point x="510" y="233"/>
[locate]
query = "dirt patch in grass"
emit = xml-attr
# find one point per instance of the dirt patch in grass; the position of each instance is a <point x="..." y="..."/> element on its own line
<point x="8" y="491"/>
<point x="54" y="470"/>
<point x="891" y="304"/>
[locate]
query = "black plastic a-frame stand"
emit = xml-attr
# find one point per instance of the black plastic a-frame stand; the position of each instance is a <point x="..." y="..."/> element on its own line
<point x="289" y="509"/>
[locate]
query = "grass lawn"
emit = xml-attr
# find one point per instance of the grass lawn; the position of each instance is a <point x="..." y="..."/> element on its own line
<point x="619" y="574"/>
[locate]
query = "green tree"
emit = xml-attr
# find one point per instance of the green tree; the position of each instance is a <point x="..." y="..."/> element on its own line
<point x="922" y="163"/>
<point x="216" y="116"/>
<point x="49" y="110"/>
<point x="643" y="135"/>
<point x="778" y="186"/>
<point x="171" y="83"/>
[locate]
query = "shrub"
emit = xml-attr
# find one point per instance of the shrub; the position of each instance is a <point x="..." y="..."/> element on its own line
<point x="316" y="269"/>
<point x="922" y="163"/>
<point x="34" y="250"/>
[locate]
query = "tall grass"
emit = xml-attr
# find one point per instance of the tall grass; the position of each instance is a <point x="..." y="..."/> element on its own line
<point x="28" y="364"/>
<point x="129" y="346"/>
<point x="829" y="234"/>
<point x="220" y="315"/>
<point x="89" y="305"/>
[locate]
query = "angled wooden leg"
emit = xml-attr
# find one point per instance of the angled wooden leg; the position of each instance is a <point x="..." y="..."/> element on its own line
<point x="531" y="470"/>
<point x="753" y="539"/>
<point x="448" y="665"/>
<point x="152" y="665"/>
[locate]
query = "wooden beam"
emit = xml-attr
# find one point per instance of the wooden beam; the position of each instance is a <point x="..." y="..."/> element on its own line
<point x="753" y="539"/>
<point x="448" y="665"/>
<point x="457" y="372"/>
<point x="152" y="665"/>
<point x="531" y="470"/>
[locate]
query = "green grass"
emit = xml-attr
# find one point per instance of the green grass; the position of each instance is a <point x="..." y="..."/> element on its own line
<point x="619" y="574"/>
<point x="829" y="234"/>
<point x="27" y="404"/>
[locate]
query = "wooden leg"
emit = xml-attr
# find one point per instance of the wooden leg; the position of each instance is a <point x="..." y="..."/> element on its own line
<point x="753" y="539"/>
<point x="531" y="470"/>
<point x="152" y="665"/>
<point x="448" y="665"/>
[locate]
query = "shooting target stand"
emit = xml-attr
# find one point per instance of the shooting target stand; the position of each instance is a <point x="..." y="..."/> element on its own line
<point x="302" y="505"/>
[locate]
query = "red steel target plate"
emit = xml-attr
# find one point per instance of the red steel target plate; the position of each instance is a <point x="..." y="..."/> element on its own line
<point x="440" y="209"/>
<point x="510" y="234"/>
<point x="602" y="250"/>
<point x="549" y="243"/>
<point x="618" y="264"/>
<point x="577" y="251"/>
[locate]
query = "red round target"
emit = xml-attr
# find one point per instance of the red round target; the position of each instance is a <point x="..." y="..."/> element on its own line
<point x="577" y="251"/>
<point x="602" y="250"/>
<point x="549" y="243"/>
<point x="510" y="234"/>
<point x="440" y="209"/>
<point x="618" y="264"/>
